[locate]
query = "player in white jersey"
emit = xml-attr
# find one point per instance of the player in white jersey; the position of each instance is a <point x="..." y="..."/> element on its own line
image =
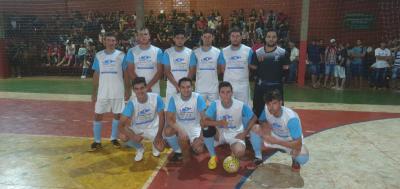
<point x="184" y="113"/>
<point x="236" y="60"/>
<point x="145" y="111"/>
<point x="228" y="121"/>
<point x="204" y="63"/>
<point x="110" y="80"/>
<point x="281" y="129"/>
<point x="144" y="60"/>
<point x="176" y="63"/>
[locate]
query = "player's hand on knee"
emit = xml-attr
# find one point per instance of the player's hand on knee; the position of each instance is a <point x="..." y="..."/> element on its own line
<point x="182" y="135"/>
<point x="159" y="141"/>
<point x="270" y="139"/>
<point x="241" y="136"/>
<point x="159" y="144"/>
<point x="123" y="137"/>
<point x="137" y="138"/>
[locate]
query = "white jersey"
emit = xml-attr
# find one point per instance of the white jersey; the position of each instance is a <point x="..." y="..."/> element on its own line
<point x="145" y="61"/>
<point x="145" y="115"/>
<point x="206" y="70"/>
<point x="111" y="77"/>
<point x="237" y="64"/>
<point x="233" y="115"/>
<point x="179" y="64"/>
<point x="186" y="111"/>
<point x="280" y="125"/>
<point x="382" y="63"/>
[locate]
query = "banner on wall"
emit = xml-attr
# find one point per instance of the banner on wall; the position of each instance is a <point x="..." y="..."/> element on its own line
<point x="358" y="21"/>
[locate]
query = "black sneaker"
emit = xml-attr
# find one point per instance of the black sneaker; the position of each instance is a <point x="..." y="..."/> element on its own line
<point x="176" y="157"/>
<point x="115" y="143"/>
<point x="95" y="147"/>
<point x="257" y="161"/>
<point x="295" y="166"/>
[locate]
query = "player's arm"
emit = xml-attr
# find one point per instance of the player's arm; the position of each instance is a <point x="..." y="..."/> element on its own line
<point x="167" y="71"/>
<point x="159" y="72"/>
<point x="285" y="61"/>
<point x="249" y="119"/>
<point x="156" y="77"/>
<point x="251" y="62"/>
<point x="192" y="66"/>
<point x="96" y="69"/>
<point x="131" y="71"/>
<point x="124" y="123"/>
<point x="161" y="119"/>
<point x="131" y="64"/>
<point x="170" y="77"/>
<point x="221" y="64"/>
<point x="210" y="116"/>
<point x="295" y="132"/>
<point x="126" y="80"/>
<point x="171" y="120"/>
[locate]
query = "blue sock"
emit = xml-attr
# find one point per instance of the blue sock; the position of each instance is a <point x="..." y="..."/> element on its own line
<point x="114" y="129"/>
<point x="209" y="142"/>
<point x="97" y="131"/>
<point x="173" y="142"/>
<point x="133" y="144"/>
<point x="302" y="159"/>
<point x="256" y="144"/>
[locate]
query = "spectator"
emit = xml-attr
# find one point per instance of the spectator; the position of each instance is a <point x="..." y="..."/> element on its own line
<point x="381" y="65"/>
<point x="294" y="59"/>
<point x="357" y="54"/>
<point x="340" y="72"/>
<point x="330" y="62"/>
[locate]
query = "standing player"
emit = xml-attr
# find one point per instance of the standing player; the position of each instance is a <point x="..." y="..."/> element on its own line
<point x="146" y="111"/>
<point x="204" y="62"/>
<point x="109" y="79"/>
<point x="270" y="62"/>
<point x="229" y="121"/>
<point x="281" y="129"/>
<point x="184" y="113"/>
<point x="144" y="60"/>
<point x="236" y="59"/>
<point x="176" y="63"/>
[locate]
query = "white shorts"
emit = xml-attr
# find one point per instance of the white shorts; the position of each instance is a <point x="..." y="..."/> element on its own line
<point x="209" y="97"/>
<point x="340" y="72"/>
<point x="116" y="106"/>
<point x="193" y="132"/>
<point x="242" y="93"/>
<point x="228" y="138"/>
<point x="147" y="133"/>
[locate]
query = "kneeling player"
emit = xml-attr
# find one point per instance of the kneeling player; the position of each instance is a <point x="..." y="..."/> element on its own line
<point x="146" y="110"/>
<point x="281" y="129"/>
<point x="185" y="110"/>
<point x="228" y="121"/>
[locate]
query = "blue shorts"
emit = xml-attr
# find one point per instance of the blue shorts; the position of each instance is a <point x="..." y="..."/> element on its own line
<point x="314" y="68"/>
<point x="321" y="69"/>
<point x="356" y="70"/>
<point x="330" y="69"/>
<point x="395" y="72"/>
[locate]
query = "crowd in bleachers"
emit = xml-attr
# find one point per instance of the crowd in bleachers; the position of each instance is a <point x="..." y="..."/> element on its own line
<point x="59" y="42"/>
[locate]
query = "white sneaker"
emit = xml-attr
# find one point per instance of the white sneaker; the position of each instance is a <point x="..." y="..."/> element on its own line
<point x="156" y="153"/>
<point x="139" y="154"/>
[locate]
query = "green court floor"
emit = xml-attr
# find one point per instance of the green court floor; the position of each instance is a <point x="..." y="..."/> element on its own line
<point x="73" y="85"/>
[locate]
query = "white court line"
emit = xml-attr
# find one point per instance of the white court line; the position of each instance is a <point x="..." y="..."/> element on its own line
<point x="162" y="164"/>
<point x="295" y="105"/>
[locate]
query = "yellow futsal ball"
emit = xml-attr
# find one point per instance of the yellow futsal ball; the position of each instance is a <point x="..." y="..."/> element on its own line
<point x="231" y="164"/>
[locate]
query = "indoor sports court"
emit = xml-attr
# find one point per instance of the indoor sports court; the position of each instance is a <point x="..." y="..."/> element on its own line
<point x="48" y="52"/>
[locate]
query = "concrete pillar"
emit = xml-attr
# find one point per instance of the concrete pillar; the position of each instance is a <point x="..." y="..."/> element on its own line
<point x="305" y="10"/>
<point x="139" y="7"/>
